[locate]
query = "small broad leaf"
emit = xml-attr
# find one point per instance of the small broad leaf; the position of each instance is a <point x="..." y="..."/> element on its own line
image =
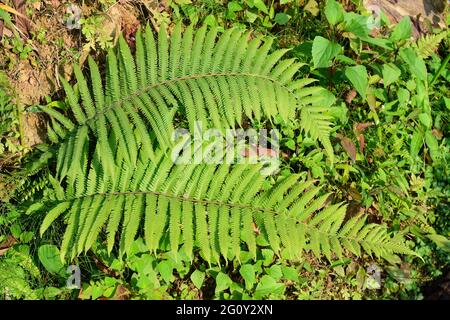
<point x="290" y="273"/>
<point x="390" y="74"/>
<point x="425" y="119"/>
<point x="51" y="292"/>
<point x="165" y="269"/>
<point x="275" y="272"/>
<point x="197" y="278"/>
<point x="433" y="145"/>
<point x="248" y="273"/>
<point x="223" y="282"/>
<point x="290" y="144"/>
<point x="282" y="18"/>
<point x="416" y="64"/>
<point x="359" y="79"/>
<point x="97" y="292"/>
<point x="312" y="7"/>
<point x="250" y="16"/>
<point x="268" y="285"/>
<point x="334" y="12"/>
<point x="49" y="256"/>
<point x="416" y="143"/>
<point x="210" y="20"/>
<point x="402" y="30"/>
<point x="234" y="6"/>
<point x="324" y="51"/>
<point x="357" y="24"/>
<point x="261" y="6"/>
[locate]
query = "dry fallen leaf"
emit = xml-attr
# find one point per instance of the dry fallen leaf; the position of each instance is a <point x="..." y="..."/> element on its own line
<point x="348" y="146"/>
<point x="122" y="293"/>
<point x="104" y="268"/>
<point x="360" y="127"/>
<point x="22" y="22"/>
<point x="7" y="244"/>
<point x="350" y="96"/>
<point x="362" y="143"/>
<point x="313" y="7"/>
<point x="253" y="151"/>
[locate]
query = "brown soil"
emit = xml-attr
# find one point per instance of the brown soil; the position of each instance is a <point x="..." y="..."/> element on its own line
<point x="37" y="76"/>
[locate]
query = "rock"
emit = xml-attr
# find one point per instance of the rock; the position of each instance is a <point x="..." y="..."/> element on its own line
<point x="422" y="12"/>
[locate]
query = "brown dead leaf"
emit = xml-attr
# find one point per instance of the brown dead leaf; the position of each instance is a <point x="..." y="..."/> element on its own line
<point x="129" y="32"/>
<point x="104" y="268"/>
<point x="253" y="151"/>
<point x="22" y="22"/>
<point x="360" y="127"/>
<point x="122" y="293"/>
<point x="362" y="143"/>
<point x="348" y="146"/>
<point x="7" y="244"/>
<point x="121" y="18"/>
<point x="348" y="5"/>
<point x="350" y="96"/>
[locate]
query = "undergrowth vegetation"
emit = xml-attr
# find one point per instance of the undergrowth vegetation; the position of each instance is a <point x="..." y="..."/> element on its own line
<point x="349" y="201"/>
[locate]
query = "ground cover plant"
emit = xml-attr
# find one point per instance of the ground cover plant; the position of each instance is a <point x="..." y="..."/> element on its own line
<point x="102" y="194"/>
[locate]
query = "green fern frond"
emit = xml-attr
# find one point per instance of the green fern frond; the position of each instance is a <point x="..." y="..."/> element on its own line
<point x="210" y="212"/>
<point x="217" y="80"/>
<point x="427" y="44"/>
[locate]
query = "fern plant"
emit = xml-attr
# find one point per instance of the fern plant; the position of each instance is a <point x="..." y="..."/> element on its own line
<point x="113" y="166"/>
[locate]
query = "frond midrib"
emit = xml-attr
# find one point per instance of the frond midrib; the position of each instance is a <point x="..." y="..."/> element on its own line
<point x="222" y="203"/>
<point x="146" y="89"/>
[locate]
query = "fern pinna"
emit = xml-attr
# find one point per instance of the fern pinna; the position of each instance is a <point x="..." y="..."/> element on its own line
<point x="130" y="183"/>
